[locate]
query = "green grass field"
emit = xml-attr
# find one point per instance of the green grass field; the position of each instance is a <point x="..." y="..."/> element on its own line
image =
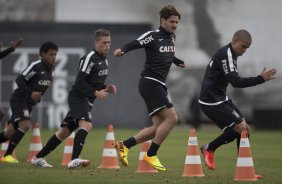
<point x="266" y="150"/>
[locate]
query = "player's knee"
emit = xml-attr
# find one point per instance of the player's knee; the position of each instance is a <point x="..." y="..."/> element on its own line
<point x="90" y="127"/>
<point x="24" y="125"/>
<point x="241" y="126"/>
<point x="8" y="134"/>
<point x="25" y="128"/>
<point x="87" y="126"/>
<point x="174" y="120"/>
<point x="63" y="133"/>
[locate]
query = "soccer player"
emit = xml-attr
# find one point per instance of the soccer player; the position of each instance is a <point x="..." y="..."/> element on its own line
<point x="89" y="85"/>
<point x="160" y="48"/>
<point x="222" y="70"/>
<point x="4" y="53"/>
<point x="32" y="84"/>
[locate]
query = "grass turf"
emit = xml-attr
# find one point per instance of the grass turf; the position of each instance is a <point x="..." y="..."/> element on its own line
<point x="266" y="150"/>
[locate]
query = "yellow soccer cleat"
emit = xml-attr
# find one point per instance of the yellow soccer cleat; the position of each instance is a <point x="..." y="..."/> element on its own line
<point x="154" y="162"/>
<point x="9" y="159"/>
<point x="122" y="151"/>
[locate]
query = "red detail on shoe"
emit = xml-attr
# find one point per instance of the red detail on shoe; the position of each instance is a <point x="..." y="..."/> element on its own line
<point x="208" y="157"/>
<point x="259" y="176"/>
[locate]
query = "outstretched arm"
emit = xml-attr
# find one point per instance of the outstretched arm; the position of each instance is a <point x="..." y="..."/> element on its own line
<point x="229" y="70"/>
<point x="12" y="48"/>
<point x="239" y="82"/>
<point x="5" y="52"/>
<point x="143" y="41"/>
<point x="135" y="44"/>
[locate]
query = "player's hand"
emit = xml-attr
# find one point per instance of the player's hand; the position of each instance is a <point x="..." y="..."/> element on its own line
<point x="111" y="89"/>
<point x="182" y="65"/>
<point x="102" y="94"/>
<point x="269" y="74"/>
<point x="118" y="53"/>
<point x="17" y="43"/>
<point x="36" y="96"/>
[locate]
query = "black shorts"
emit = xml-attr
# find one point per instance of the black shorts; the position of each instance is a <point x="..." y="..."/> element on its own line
<point x="21" y="111"/>
<point x="224" y="115"/>
<point x="155" y="95"/>
<point x="80" y="109"/>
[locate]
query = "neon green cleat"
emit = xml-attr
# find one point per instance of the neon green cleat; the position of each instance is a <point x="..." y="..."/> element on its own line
<point x="9" y="159"/>
<point x="154" y="162"/>
<point x="122" y="151"/>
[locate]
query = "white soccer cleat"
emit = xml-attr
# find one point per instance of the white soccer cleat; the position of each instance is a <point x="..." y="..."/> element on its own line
<point x="78" y="162"/>
<point x="40" y="162"/>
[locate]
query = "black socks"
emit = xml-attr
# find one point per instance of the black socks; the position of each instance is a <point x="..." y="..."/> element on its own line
<point x="52" y="143"/>
<point x="227" y="136"/>
<point x="78" y="143"/>
<point x="153" y="149"/>
<point x="130" y="142"/>
<point x="15" y="139"/>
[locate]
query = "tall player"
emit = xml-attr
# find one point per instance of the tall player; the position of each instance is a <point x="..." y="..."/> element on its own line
<point x="159" y="46"/>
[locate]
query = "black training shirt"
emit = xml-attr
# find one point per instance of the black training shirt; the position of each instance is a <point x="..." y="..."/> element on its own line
<point x="36" y="77"/>
<point x="159" y="48"/>
<point x="221" y="71"/>
<point x="92" y="73"/>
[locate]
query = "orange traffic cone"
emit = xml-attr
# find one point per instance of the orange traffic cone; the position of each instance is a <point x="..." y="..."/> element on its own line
<point x="144" y="167"/>
<point x="68" y="149"/>
<point x="4" y="146"/>
<point x="109" y="159"/>
<point x="193" y="166"/>
<point x="245" y="170"/>
<point x="35" y="145"/>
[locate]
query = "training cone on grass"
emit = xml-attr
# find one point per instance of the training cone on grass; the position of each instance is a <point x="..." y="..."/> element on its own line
<point x="245" y="170"/>
<point x="144" y="167"/>
<point x="4" y="147"/>
<point x="109" y="157"/>
<point x="68" y="149"/>
<point x="36" y="144"/>
<point x="193" y="166"/>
